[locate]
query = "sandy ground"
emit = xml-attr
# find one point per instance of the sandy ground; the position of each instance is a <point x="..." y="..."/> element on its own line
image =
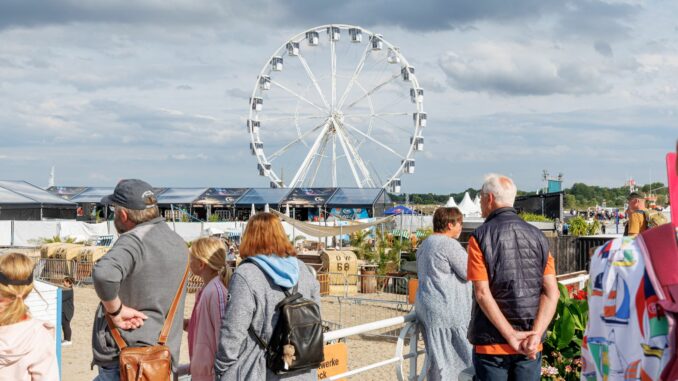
<point x="362" y="351"/>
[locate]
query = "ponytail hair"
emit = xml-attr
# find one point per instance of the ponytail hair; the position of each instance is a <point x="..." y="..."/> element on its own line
<point x="15" y="267"/>
<point x="212" y="252"/>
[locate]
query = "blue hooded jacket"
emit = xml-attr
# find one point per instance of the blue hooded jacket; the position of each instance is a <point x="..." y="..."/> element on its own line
<point x="283" y="271"/>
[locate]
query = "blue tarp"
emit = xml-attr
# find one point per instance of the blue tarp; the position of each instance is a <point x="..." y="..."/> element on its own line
<point x="400" y="209"/>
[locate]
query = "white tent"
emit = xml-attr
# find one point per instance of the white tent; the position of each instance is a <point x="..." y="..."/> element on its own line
<point x="468" y="207"/>
<point x="450" y="203"/>
<point x="476" y="201"/>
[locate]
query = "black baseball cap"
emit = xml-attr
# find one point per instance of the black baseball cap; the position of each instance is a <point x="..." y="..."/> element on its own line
<point x="132" y="194"/>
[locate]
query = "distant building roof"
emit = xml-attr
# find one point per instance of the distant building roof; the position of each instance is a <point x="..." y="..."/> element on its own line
<point x="262" y="196"/>
<point x="21" y="192"/>
<point x="355" y="196"/>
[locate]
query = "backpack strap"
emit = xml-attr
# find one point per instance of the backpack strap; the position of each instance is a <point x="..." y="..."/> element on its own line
<point x="120" y="342"/>
<point x="287" y="292"/>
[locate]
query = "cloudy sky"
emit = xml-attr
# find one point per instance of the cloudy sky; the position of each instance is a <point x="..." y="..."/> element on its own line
<point x="159" y="89"/>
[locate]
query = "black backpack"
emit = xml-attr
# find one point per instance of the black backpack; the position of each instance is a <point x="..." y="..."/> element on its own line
<point x="296" y="344"/>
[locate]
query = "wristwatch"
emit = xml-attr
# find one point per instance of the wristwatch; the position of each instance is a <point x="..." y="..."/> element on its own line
<point x="116" y="313"/>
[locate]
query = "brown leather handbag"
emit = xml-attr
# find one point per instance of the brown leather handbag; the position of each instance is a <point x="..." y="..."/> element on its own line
<point x="152" y="363"/>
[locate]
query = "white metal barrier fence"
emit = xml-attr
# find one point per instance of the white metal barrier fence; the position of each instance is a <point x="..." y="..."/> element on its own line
<point x="410" y="333"/>
<point x="358" y="299"/>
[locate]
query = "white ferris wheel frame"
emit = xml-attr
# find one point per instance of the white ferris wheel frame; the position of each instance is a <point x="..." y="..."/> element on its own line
<point x="359" y="169"/>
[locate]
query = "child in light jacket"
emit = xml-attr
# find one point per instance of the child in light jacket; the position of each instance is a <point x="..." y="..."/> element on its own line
<point x="27" y="345"/>
<point x="207" y="260"/>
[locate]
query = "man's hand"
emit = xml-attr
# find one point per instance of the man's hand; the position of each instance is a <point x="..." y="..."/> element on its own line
<point x="516" y="339"/>
<point x="129" y="319"/>
<point x="530" y="346"/>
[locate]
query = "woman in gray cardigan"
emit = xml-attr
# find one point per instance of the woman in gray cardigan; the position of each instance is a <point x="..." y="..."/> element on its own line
<point x="443" y="303"/>
<point x="252" y="297"/>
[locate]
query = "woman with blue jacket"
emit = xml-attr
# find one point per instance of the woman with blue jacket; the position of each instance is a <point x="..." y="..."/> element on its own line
<point x="253" y="296"/>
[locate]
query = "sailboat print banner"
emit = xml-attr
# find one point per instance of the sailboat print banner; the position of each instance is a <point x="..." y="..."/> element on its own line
<point x="629" y="339"/>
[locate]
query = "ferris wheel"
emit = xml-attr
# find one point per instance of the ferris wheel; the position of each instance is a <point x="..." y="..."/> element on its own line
<point x="336" y="105"/>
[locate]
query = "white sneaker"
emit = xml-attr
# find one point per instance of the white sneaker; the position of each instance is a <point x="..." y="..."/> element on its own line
<point x="66" y="343"/>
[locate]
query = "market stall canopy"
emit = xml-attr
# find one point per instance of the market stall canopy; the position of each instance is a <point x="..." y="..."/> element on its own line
<point x="344" y="197"/>
<point x="174" y="196"/>
<point x="92" y="195"/>
<point x="220" y="196"/>
<point x="87" y="195"/>
<point x="331" y="231"/>
<point x="262" y="196"/>
<point x="309" y="197"/>
<point x="23" y="201"/>
<point x="399" y="209"/>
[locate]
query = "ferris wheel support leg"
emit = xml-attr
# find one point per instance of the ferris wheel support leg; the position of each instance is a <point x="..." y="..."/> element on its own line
<point x="311" y="153"/>
<point x="348" y="158"/>
<point x="334" y="161"/>
<point x="293" y="142"/>
<point x="359" y="161"/>
<point x="319" y="159"/>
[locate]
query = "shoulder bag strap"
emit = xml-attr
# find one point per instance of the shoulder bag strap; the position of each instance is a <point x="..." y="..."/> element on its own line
<point x="172" y="311"/>
<point x="165" y="328"/>
<point x="114" y="332"/>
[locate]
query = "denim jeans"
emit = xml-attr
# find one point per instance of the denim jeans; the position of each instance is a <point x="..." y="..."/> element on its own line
<point x="108" y="374"/>
<point x="506" y="367"/>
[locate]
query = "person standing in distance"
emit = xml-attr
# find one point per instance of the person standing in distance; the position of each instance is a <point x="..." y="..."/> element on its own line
<point x="637" y="221"/>
<point x="514" y="288"/>
<point x="137" y="279"/>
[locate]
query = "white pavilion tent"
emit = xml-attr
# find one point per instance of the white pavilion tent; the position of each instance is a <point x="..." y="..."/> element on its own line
<point x="450" y="203"/>
<point x="468" y="207"/>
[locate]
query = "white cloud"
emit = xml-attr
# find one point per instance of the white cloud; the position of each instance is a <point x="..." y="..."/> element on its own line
<point x="159" y="90"/>
<point x="513" y="69"/>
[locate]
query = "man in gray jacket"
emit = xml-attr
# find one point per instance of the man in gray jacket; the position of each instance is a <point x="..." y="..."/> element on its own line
<point x="137" y="279"/>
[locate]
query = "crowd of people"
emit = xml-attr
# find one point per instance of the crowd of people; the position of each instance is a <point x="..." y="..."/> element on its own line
<point x="488" y="306"/>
